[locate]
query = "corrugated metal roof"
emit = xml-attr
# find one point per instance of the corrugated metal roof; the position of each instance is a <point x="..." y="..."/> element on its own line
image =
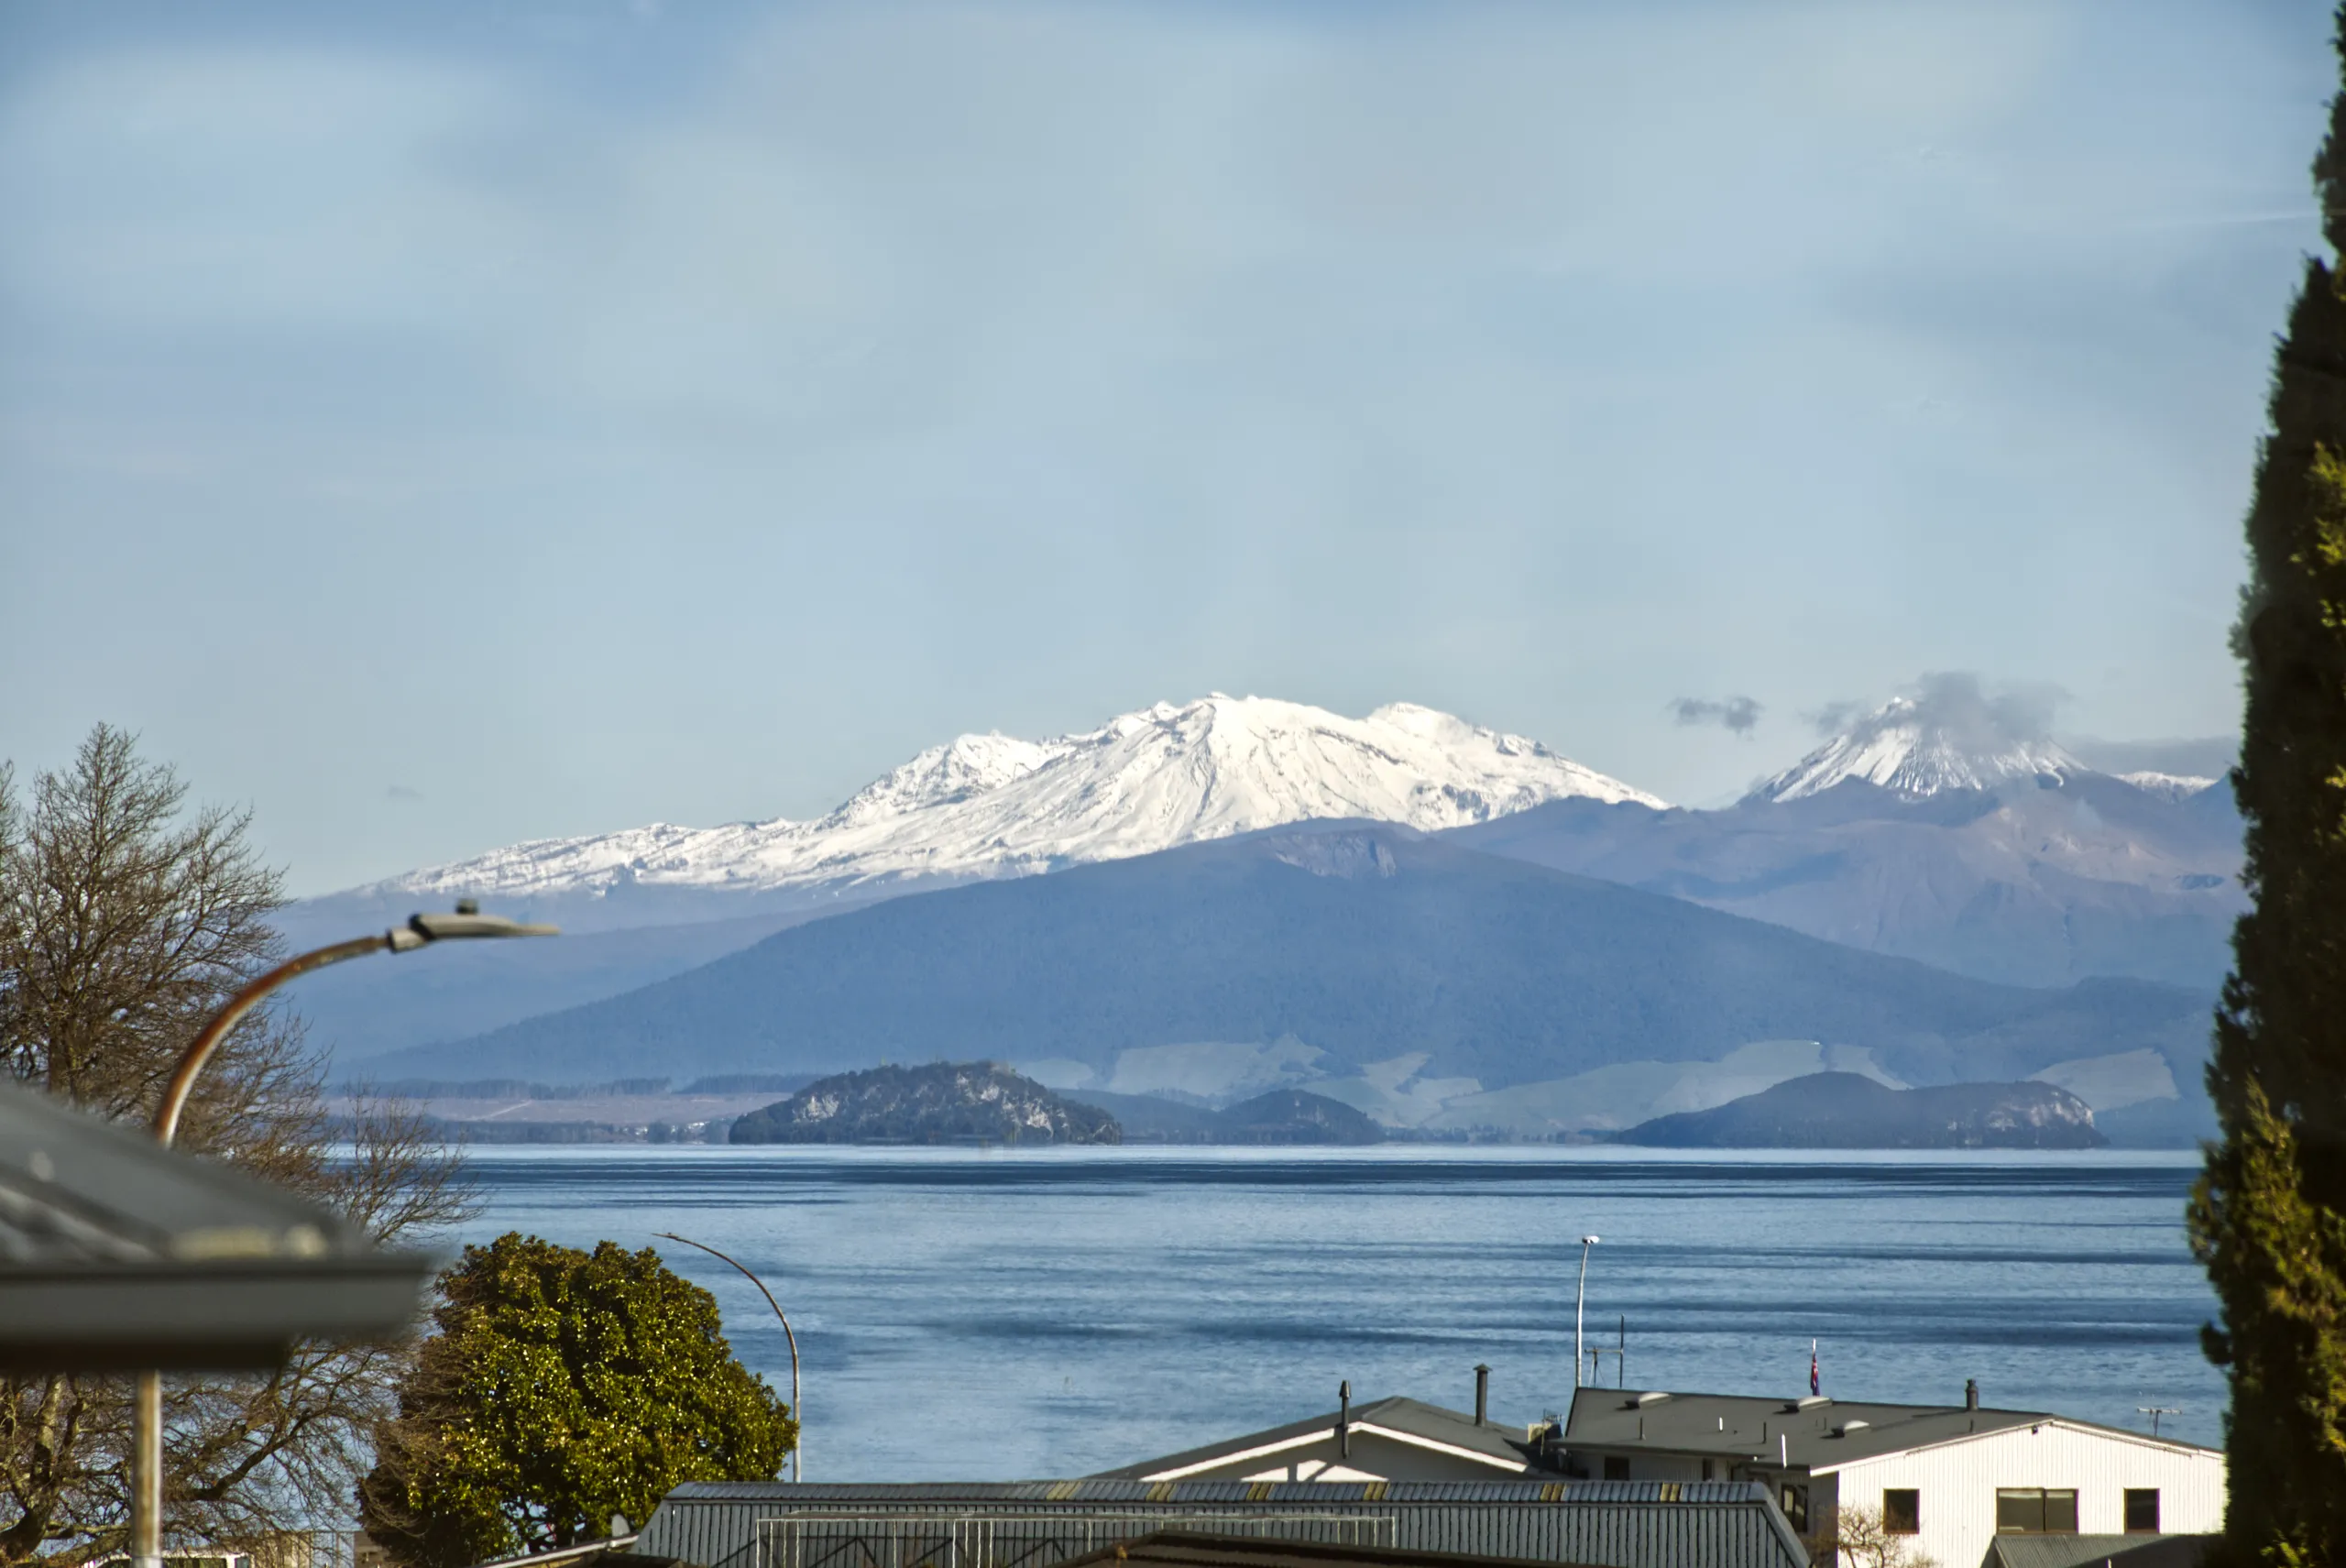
<point x="1033" y="1524"/>
<point x="118" y="1253"/>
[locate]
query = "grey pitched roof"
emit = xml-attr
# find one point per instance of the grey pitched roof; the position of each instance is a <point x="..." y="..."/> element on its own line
<point x="776" y="1498"/>
<point x="1629" y="1524"/>
<point x="1433" y="1422"/>
<point x="2094" y="1551"/>
<point x="1817" y="1434"/>
<point x="115" y="1253"/>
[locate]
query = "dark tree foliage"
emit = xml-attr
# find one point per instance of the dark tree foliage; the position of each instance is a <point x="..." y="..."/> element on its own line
<point x="2269" y="1216"/>
<point x="562" y="1387"/>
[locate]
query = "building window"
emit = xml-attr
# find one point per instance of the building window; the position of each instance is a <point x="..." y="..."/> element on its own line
<point x="1901" y="1510"/>
<point x="1796" y="1501"/>
<point x="2037" y="1510"/>
<point x="2142" y="1510"/>
<point x="1616" y="1468"/>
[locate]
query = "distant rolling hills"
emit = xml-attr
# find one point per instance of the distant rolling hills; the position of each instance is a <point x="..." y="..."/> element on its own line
<point x="1282" y="1117"/>
<point x="2035" y="881"/>
<point x="362" y="1010"/>
<point x="1353" y="945"/>
<point x="1845" y="1111"/>
<point x="1930" y="828"/>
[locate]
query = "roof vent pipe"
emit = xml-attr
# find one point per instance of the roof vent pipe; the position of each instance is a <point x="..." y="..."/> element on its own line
<point x="1971" y="1393"/>
<point x="1345" y="1418"/>
<point x="1481" y="1393"/>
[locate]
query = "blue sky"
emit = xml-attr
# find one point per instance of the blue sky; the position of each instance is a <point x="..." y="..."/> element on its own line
<point x="441" y="425"/>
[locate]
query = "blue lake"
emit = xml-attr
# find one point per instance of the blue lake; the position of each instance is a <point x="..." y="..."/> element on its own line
<point x="985" y="1315"/>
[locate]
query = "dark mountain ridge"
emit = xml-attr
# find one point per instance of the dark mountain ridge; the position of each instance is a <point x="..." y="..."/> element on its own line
<point x="1296" y="1116"/>
<point x="1367" y="941"/>
<point x="1281" y="1116"/>
<point x="2039" y="881"/>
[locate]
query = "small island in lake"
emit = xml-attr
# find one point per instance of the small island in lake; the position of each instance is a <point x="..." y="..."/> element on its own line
<point x="945" y="1102"/>
<point x="1293" y="1117"/>
<point x="1849" y="1110"/>
<point x="1282" y="1117"/>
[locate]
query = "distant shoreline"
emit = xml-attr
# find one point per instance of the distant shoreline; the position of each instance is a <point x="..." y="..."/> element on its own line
<point x="1425" y="1153"/>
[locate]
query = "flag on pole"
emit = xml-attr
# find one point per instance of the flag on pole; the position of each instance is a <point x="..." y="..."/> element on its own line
<point x="1812" y="1368"/>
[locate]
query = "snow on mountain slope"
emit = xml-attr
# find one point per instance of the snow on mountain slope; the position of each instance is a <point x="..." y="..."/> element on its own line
<point x="995" y="806"/>
<point x="1947" y="736"/>
<point x="2170" y="787"/>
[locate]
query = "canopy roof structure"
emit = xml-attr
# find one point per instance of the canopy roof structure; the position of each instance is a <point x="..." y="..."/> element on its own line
<point x="1018" y="1524"/>
<point x="117" y="1254"/>
<point x="1411" y="1424"/>
<point x="1197" y="1549"/>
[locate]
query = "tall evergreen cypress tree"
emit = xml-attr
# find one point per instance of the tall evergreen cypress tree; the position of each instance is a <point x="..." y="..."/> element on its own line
<point x="2269" y="1216"/>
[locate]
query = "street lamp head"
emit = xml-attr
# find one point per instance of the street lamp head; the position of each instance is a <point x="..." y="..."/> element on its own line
<point x="1588" y="1241"/>
<point x="466" y="922"/>
<point x="421" y="931"/>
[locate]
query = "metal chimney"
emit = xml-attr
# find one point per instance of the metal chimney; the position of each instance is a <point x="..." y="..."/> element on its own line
<point x="1971" y="1393"/>
<point x="1345" y="1418"/>
<point x="1481" y="1393"/>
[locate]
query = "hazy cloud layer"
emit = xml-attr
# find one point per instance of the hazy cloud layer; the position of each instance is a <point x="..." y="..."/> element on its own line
<point x="686" y="413"/>
<point x="2208" y="758"/>
<point x="1959" y="704"/>
<point x="1836" y="717"/>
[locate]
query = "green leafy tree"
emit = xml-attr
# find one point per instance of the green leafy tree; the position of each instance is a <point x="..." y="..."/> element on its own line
<point x="2269" y="1215"/>
<point x="562" y="1387"/>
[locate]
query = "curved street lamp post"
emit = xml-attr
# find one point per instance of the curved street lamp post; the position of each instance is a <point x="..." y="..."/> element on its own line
<point x="421" y="931"/>
<point x="799" y="1449"/>
<point x="1580" y="1305"/>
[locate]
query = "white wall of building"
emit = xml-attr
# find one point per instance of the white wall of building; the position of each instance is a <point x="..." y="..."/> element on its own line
<point x="1958" y="1481"/>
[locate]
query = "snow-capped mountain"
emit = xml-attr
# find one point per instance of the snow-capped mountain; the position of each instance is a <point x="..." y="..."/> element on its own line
<point x="1982" y="846"/>
<point x="1920" y="745"/>
<point x="988" y="805"/>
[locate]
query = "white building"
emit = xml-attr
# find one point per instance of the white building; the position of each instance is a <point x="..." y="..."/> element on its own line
<point x="1955" y="1478"/>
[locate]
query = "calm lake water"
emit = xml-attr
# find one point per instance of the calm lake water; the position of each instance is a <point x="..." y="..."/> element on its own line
<point x="988" y="1315"/>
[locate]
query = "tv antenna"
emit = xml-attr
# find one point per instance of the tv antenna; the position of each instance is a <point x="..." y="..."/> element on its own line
<point x="2154" y="1412"/>
<point x="1620" y="1356"/>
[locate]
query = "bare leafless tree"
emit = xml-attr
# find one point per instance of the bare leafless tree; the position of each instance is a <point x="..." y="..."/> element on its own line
<point x="125" y="921"/>
<point x="1861" y="1538"/>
